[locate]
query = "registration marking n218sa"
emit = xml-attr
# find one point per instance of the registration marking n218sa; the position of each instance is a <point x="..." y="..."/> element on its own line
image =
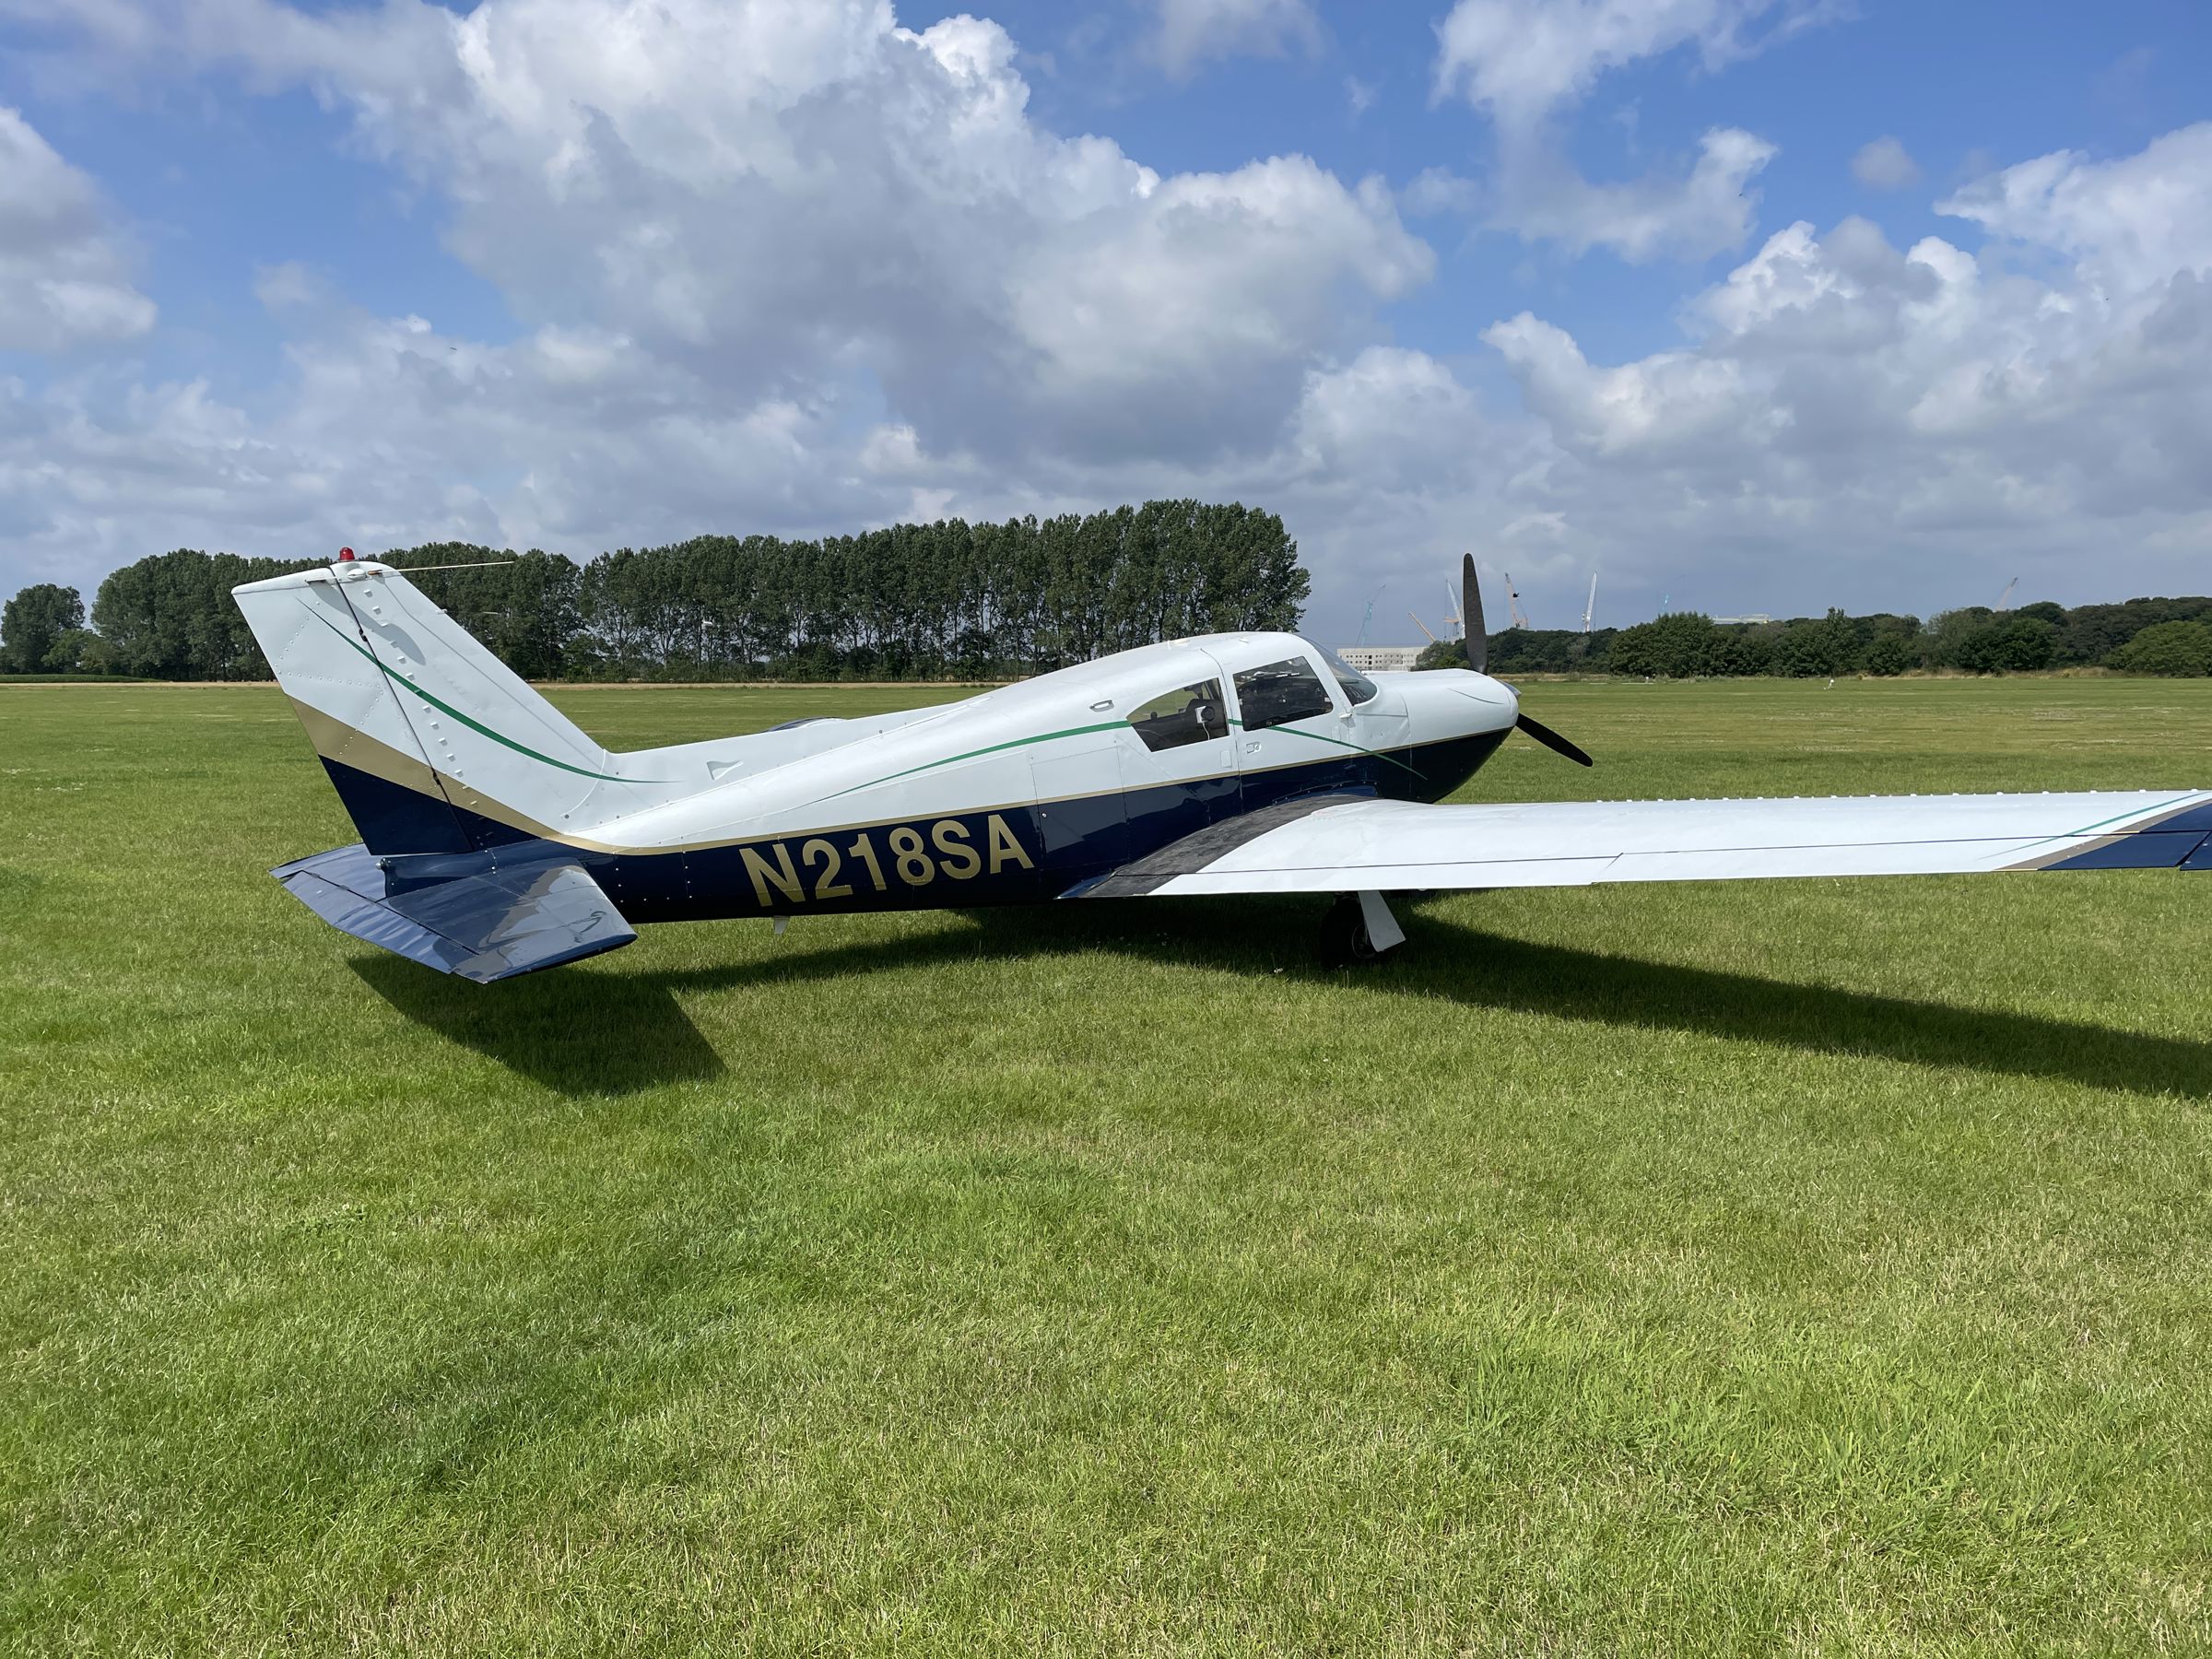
<point x="819" y="868"/>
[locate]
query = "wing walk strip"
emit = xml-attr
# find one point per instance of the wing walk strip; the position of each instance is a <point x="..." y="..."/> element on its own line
<point x="1193" y="853"/>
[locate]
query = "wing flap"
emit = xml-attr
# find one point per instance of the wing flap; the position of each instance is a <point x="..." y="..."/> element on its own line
<point x="1395" y="845"/>
<point x="484" y="926"/>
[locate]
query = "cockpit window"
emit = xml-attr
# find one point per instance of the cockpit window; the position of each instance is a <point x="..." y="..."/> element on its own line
<point x="1277" y="693"/>
<point x="1357" y="687"/>
<point x="1187" y="714"/>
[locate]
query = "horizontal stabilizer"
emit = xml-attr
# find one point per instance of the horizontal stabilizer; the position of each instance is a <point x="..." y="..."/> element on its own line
<point x="485" y="926"/>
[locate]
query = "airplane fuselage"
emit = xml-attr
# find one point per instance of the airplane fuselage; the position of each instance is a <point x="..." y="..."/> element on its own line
<point x="1024" y="793"/>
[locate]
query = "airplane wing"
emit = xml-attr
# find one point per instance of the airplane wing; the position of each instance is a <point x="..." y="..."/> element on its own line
<point x="1338" y="843"/>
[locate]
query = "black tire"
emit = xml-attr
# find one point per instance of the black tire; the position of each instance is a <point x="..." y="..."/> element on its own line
<point x="1344" y="937"/>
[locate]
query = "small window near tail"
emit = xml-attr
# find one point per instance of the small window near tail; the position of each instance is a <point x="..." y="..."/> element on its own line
<point x="1187" y="714"/>
<point x="1277" y="693"/>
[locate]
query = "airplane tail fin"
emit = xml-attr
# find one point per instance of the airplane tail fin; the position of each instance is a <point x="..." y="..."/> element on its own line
<point x="434" y="744"/>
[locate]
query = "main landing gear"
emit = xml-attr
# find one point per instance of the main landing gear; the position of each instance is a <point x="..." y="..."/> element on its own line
<point x="1357" y="930"/>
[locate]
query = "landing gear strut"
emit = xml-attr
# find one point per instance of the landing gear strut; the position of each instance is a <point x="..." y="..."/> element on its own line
<point x="1357" y="930"/>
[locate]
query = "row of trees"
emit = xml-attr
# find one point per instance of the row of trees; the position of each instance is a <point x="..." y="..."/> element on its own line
<point x="2141" y="636"/>
<point x="911" y="602"/>
<point x="992" y="601"/>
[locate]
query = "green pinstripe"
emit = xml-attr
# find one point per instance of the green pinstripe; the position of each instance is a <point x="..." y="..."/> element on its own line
<point x="477" y="725"/>
<point x="1340" y="743"/>
<point x="991" y="748"/>
<point x="1107" y="726"/>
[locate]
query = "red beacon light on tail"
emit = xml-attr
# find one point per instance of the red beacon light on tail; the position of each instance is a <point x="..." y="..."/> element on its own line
<point x="345" y="555"/>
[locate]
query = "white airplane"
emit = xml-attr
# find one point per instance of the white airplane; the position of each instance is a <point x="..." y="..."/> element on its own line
<point x="497" y="838"/>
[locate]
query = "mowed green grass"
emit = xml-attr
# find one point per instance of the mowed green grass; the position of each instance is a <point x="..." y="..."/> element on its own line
<point x="1822" y="1266"/>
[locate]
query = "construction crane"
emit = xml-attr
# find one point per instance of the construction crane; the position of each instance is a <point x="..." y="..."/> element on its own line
<point x="1367" y="617"/>
<point x="2004" y="599"/>
<point x="1424" y="627"/>
<point x="1452" y="617"/>
<point x="1590" y="609"/>
<point x="1514" y="600"/>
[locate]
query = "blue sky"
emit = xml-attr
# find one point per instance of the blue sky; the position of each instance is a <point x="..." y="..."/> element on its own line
<point x="1519" y="277"/>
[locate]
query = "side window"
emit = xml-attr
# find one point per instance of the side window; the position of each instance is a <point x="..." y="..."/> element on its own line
<point x="1188" y="714"/>
<point x="1279" y="692"/>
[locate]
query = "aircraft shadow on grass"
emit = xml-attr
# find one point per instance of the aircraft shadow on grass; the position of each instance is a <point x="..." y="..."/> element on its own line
<point x="577" y="1033"/>
<point x="609" y="1032"/>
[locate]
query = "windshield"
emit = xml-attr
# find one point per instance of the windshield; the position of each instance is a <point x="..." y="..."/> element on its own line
<point x="1357" y="686"/>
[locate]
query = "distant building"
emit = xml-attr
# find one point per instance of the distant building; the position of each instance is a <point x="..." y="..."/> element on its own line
<point x="1761" y="617"/>
<point x="1379" y="659"/>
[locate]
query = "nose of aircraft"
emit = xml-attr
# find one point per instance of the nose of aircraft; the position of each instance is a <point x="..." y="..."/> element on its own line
<point x="1478" y="687"/>
<point x="1457" y="702"/>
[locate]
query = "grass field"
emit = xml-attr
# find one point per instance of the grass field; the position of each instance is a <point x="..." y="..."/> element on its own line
<point x="1816" y="1266"/>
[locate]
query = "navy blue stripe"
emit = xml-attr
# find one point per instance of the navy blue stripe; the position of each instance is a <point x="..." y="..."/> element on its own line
<point x="395" y="819"/>
<point x="2198" y="818"/>
<point x="2147" y="850"/>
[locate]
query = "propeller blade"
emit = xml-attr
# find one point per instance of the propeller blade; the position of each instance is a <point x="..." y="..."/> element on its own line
<point x="1470" y="610"/>
<point x="1552" y="740"/>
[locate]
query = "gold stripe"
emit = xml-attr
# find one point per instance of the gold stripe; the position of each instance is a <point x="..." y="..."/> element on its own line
<point x="334" y="740"/>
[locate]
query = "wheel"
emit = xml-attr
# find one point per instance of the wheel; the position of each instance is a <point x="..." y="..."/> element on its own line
<point x="1344" y="937"/>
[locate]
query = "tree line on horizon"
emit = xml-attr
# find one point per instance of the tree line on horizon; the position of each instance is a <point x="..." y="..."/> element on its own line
<point x="947" y="600"/>
<point x="952" y="600"/>
<point x="2137" y="636"/>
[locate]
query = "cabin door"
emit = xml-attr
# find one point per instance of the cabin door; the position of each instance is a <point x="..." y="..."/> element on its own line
<point x="1078" y="816"/>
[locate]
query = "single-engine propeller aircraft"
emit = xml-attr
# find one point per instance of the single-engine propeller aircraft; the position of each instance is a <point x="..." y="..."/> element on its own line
<point x="497" y="838"/>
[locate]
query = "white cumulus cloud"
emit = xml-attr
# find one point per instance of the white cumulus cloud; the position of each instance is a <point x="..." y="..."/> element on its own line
<point x="1526" y="62"/>
<point x="1521" y="59"/>
<point x="2132" y="222"/>
<point x="1843" y="399"/>
<point x="785" y="267"/>
<point x="64" y="277"/>
<point x="808" y="192"/>
<point x="1706" y="210"/>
